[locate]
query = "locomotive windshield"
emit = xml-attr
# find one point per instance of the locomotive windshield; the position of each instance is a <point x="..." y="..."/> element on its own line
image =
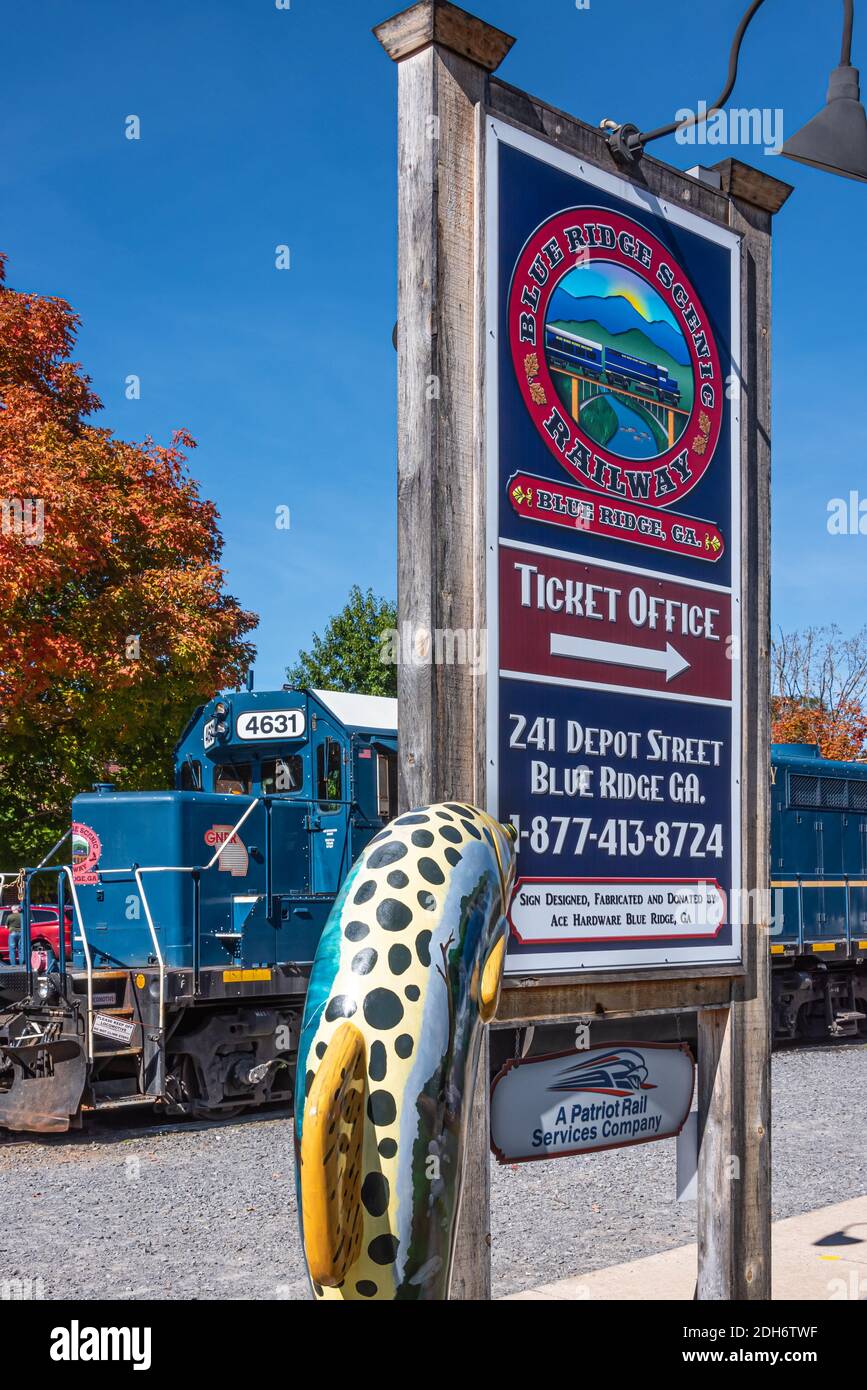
<point x="282" y="774"/>
<point x="236" y="779"/>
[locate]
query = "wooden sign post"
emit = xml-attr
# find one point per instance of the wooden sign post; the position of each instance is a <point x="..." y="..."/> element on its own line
<point x="584" y="470"/>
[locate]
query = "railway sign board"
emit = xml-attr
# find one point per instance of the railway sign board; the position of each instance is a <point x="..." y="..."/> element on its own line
<point x="608" y="1098"/>
<point x="613" y="563"/>
<point x="587" y="323"/>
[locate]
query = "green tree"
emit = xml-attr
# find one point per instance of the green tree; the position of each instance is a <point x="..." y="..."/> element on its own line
<point x="348" y="656"/>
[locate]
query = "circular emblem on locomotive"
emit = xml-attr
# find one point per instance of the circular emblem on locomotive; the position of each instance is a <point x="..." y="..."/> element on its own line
<point x="86" y="849"/>
<point x="615" y="357"/>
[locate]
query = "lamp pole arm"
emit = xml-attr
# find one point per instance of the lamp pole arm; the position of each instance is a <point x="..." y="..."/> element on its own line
<point x="628" y="142"/>
<point x="848" y="25"/>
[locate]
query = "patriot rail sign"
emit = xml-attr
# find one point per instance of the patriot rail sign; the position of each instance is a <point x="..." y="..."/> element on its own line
<point x="571" y="1102"/>
<point x="613" y="564"/>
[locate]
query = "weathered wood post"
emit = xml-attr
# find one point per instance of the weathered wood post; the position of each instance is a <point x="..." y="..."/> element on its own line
<point x="444" y="57"/>
<point x="735" y="1044"/>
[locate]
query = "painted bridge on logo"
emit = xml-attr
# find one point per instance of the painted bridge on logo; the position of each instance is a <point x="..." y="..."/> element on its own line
<point x="586" y="389"/>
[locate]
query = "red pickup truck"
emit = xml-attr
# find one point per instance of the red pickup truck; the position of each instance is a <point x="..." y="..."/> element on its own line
<point x="44" y="930"/>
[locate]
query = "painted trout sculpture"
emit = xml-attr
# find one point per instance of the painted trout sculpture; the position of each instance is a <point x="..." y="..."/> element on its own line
<point x="407" y="971"/>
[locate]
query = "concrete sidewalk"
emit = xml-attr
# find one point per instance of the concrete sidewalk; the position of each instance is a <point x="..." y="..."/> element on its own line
<point x="820" y="1255"/>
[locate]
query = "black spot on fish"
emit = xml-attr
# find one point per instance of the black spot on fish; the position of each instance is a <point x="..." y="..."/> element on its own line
<point x="381" y="1108"/>
<point x="366" y="891"/>
<point x="378" y="1061"/>
<point x="317" y="1288"/>
<point x="387" y="1147"/>
<point x="449" y="832"/>
<point x="320" y="1049"/>
<point x="366" y="1288"/>
<point x="427" y="900"/>
<point x="422" y="947"/>
<point x="363" y="961"/>
<point x="382" y="1009"/>
<point x="430" y="870"/>
<point x="444" y="815"/>
<point x="356" y="931"/>
<point x="422" y="839"/>
<point x="341" y="1006"/>
<point x="471" y="829"/>
<point x="414" y="819"/>
<point x="403" y="1045"/>
<point x="461" y="810"/>
<point x="397" y="879"/>
<point x="412" y="992"/>
<point x="308" y="1080"/>
<point x="452" y="855"/>
<point x="374" y="1193"/>
<point x="399" y="959"/>
<point x="387" y="854"/>
<point x="383" y="1249"/>
<point x="393" y="915"/>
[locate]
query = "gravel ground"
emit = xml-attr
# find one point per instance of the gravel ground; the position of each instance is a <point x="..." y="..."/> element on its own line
<point x="195" y="1211"/>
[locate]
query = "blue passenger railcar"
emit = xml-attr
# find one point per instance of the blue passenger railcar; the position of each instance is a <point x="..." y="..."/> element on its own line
<point x="819" y="885"/>
<point x="198" y="911"/>
<point x="572" y="352"/>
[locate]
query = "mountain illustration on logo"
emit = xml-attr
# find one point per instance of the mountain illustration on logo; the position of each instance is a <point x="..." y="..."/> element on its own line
<point x="617" y="1073"/>
<point x="616" y="315"/>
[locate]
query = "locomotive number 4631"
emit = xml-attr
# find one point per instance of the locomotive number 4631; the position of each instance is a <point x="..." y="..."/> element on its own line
<point x="281" y="723"/>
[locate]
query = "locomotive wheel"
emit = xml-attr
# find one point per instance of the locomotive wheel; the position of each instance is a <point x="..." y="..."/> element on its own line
<point x="224" y="1112"/>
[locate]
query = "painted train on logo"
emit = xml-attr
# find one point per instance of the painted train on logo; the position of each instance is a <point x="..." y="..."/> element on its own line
<point x="576" y="354"/>
<point x="193" y="915"/>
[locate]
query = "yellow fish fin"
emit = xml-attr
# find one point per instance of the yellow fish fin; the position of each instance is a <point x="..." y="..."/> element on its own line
<point x="492" y="975"/>
<point x="331" y="1143"/>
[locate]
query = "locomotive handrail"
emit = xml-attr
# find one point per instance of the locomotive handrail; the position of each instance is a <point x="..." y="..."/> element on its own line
<point x="51" y="853"/>
<point x="65" y="868"/>
<point x="156" y="945"/>
<point x="137" y="871"/>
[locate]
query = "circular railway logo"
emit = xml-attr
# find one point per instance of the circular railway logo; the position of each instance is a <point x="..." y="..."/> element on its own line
<point x="86" y="849"/>
<point x="615" y="357"/>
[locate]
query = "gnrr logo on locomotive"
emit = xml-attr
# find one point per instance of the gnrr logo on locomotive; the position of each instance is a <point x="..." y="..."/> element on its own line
<point x="615" y="357"/>
<point x="234" y="859"/>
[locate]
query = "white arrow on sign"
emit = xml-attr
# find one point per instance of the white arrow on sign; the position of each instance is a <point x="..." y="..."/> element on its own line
<point x="618" y="654"/>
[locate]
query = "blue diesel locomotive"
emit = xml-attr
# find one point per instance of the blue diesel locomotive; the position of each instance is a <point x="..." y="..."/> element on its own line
<point x="819" y="894"/>
<point x="572" y="353"/>
<point x="197" y="914"/>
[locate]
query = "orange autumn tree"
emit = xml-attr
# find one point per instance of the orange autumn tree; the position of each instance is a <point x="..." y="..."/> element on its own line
<point x="114" y="622"/>
<point x="820" y="691"/>
<point x="840" y="733"/>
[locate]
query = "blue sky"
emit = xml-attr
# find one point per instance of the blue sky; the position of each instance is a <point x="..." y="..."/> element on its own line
<point x="262" y="127"/>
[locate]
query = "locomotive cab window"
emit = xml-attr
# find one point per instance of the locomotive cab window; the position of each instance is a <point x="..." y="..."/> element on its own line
<point x="386" y="785"/>
<point x="191" y="775"/>
<point x="233" y="778"/>
<point x="282" y="774"/>
<point x="329" y="774"/>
